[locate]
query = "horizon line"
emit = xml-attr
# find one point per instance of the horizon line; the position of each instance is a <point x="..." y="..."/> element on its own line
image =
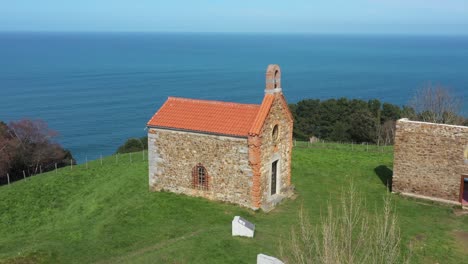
<point x="241" y="32"/>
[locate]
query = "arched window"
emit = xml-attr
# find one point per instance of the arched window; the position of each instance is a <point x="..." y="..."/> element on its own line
<point x="199" y="177"/>
<point x="275" y="133"/>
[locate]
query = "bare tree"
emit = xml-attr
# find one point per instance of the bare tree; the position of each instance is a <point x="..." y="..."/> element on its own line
<point x="387" y="133"/>
<point x="35" y="144"/>
<point x="4" y="157"/>
<point x="27" y="147"/>
<point x="6" y="150"/>
<point x="436" y="104"/>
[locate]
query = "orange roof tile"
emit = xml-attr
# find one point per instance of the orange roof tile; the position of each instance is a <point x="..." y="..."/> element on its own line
<point x="206" y="116"/>
<point x="262" y="114"/>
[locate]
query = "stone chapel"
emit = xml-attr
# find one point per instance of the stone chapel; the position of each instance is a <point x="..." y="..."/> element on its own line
<point x="232" y="152"/>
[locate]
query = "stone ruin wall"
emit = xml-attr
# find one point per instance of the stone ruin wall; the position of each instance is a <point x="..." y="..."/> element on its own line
<point x="172" y="155"/>
<point x="282" y="148"/>
<point x="429" y="159"/>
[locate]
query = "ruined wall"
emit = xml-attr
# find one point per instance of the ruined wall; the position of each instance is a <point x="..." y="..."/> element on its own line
<point x="273" y="149"/>
<point x="173" y="154"/>
<point x="428" y="159"/>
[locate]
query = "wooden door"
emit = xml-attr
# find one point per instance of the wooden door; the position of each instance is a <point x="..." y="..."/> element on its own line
<point x="464" y="190"/>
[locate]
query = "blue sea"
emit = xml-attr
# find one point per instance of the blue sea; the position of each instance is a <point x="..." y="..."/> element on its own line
<point x="98" y="89"/>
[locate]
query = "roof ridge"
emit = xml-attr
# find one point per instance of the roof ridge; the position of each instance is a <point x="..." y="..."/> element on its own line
<point x="211" y="101"/>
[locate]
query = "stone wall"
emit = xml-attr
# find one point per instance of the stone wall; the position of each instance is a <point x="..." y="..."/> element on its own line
<point x="173" y="154"/>
<point x="276" y="149"/>
<point x="428" y="160"/>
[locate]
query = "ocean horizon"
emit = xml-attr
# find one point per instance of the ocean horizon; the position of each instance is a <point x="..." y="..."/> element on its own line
<point x="99" y="89"/>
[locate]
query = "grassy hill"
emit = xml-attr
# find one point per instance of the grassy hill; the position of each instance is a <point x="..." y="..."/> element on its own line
<point x="105" y="214"/>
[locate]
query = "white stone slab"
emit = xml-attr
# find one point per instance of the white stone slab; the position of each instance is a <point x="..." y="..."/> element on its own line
<point x="242" y="227"/>
<point x="264" y="259"/>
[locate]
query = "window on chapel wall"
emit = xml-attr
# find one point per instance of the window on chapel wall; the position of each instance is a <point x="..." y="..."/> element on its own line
<point x="200" y="177"/>
<point x="275" y="133"/>
<point x="465" y="154"/>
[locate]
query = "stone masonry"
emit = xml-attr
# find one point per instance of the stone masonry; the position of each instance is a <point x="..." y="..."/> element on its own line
<point x="174" y="154"/>
<point x="240" y="160"/>
<point x="274" y="149"/>
<point x="429" y="160"/>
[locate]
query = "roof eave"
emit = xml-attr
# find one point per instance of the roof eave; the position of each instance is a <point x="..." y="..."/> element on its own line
<point x="198" y="131"/>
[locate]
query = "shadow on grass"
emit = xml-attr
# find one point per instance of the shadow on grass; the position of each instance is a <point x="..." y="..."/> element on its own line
<point x="385" y="175"/>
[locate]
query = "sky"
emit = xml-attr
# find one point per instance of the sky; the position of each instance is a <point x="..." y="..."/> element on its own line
<point x="273" y="16"/>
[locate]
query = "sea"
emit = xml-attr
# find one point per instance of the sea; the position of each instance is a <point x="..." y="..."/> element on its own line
<point x="99" y="89"/>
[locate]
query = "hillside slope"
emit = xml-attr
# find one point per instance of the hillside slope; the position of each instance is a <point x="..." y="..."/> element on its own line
<point x="105" y="214"/>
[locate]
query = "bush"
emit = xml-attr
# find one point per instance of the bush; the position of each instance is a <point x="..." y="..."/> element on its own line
<point x="133" y="145"/>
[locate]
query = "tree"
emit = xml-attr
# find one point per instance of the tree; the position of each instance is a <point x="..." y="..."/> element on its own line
<point x="390" y="112"/>
<point x="436" y="104"/>
<point x="346" y="119"/>
<point x="386" y="133"/>
<point x="306" y="117"/>
<point x="5" y="150"/>
<point x="363" y="126"/>
<point x="408" y="112"/>
<point x="374" y="108"/>
<point x="28" y="145"/>
<point x="340" y="132"/>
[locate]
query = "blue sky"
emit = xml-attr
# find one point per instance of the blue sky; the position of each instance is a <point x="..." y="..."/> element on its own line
<point x="294" y="16"/>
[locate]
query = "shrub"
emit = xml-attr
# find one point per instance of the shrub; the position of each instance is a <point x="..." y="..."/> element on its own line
<point x="347" y="234"/>
<point x="133" y="145"/>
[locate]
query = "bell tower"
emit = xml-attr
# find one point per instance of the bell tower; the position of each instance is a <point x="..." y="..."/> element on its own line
<point x="273" y="79"/>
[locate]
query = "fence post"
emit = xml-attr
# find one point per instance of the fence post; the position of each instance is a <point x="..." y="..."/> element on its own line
<point x="56" y="167"/>
<point x="24" y="175"/>
<point x="40" y="168"/>
<point x="367" y="146"/>
<point x="71" y="164"/>
<point x="8" y="178"/>
<point x="143" y="155"/>
<point x="130" y="157"/>
<point x="101" y="159"/>
<point x="86" y="162"/>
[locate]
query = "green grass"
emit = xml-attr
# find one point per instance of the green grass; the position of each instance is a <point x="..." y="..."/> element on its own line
<point x="345" y="146"/>
<point x="106" y="214"/>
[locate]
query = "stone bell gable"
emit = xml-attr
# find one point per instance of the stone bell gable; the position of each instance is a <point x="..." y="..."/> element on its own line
<point x="238" y="153"/>
<point x="270" y="144"/>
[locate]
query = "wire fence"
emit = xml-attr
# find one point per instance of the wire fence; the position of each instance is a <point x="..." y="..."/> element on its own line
<point x="132" y="157"/>
<point x="117" y="158"/>
<point x="125" y="158"/>
<point x="348" y="146"/>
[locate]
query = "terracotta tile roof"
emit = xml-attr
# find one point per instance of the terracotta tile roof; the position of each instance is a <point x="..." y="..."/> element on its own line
<point x="257" y="125"/>
<point x="206" y="116"/>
